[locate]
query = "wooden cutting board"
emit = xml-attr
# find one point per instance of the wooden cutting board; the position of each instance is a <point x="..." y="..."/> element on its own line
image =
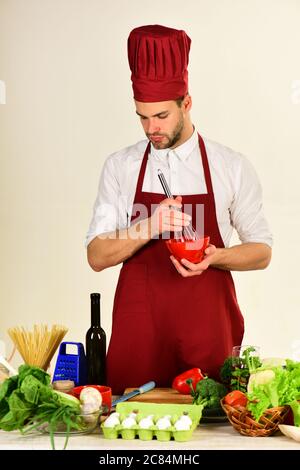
<point x="160" y="395"/>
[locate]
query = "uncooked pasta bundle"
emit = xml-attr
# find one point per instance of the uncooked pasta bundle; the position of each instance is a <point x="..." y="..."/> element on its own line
<point x="37" y="347"/>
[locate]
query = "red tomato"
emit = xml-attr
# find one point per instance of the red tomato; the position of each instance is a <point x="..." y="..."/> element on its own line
<point x="236" y="398"/>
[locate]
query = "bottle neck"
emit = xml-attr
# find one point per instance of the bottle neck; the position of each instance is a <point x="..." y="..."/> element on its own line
<point x="95" y="312"/>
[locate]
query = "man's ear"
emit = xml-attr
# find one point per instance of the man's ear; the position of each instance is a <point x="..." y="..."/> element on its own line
<point x="187" y="103"/>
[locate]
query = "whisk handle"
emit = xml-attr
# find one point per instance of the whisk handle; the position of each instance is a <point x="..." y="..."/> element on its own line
<point x="164" y="184"/>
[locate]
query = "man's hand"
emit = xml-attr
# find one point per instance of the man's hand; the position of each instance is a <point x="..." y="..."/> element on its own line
<point x="244" y="257"/>
<point x="168" y="217"/>
<point x="188" y="269"/>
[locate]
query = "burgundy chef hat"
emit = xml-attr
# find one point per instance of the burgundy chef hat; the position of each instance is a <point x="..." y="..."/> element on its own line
<point x="158" y="58"/>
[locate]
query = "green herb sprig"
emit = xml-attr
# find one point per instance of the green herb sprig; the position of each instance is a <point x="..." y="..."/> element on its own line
<point x="235" y="372"/>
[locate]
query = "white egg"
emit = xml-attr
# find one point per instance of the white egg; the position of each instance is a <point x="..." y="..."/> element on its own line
<point x="186" y="419"/>
<point x="112" y="421"/>
<point x="164" y="422"/>
<point x="182" y="425"/>
<point x="146" y="422"/>
<point x="128" y="422"/>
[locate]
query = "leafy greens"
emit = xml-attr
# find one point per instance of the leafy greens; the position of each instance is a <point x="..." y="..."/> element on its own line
<point x="27" y="400"/>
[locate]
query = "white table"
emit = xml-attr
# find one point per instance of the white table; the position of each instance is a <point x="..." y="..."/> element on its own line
<point x="212" y="436"/>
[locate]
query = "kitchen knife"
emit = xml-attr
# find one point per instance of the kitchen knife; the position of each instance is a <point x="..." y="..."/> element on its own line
<point x="144" y="388"/>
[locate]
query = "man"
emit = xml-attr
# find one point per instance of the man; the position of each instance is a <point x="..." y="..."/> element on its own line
<point x="170" y="315"/>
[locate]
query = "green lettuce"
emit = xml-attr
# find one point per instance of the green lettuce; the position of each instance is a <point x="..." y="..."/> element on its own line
<point x="27" y="400"/>
<point x="283" y="389"/>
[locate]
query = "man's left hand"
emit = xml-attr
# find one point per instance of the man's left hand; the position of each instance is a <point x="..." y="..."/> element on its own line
<point x="188" y="269"/>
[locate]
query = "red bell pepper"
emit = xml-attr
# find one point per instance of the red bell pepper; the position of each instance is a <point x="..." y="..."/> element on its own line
<point x="179" y="383"/>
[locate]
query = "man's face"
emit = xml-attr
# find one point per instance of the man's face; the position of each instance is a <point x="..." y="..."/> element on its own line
<point x="163" y="122"/>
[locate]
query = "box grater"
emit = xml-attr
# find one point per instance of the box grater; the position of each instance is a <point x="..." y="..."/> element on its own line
<point x="71" y="366"/>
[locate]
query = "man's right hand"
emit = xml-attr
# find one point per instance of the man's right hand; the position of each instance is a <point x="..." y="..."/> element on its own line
<point x="168" y="217"/>
<point x="110" y="249"/>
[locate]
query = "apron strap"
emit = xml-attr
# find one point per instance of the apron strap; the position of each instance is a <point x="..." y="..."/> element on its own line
<point x="140" y="181"/>
<point x="205" y="164"/>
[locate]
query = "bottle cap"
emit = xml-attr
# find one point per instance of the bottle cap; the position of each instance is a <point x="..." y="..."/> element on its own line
<point x="95" y="298"/>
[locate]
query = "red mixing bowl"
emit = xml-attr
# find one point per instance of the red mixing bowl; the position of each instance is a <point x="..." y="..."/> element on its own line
<point x="192" y="250"/>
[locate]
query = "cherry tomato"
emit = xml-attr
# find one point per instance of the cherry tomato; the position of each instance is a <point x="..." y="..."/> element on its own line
<point x="236" y="398"/>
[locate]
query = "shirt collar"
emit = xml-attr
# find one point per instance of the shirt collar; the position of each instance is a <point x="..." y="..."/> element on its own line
<point x="182" y="151"/>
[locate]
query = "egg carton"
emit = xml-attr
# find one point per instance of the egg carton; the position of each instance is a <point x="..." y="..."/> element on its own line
<point x="158" y="410"/>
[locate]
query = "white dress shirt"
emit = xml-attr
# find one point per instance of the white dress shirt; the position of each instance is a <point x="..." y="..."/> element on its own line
<point x="237" y="190"/>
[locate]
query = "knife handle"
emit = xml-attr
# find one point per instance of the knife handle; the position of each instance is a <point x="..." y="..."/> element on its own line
<point x="146" y="387"/>
<point x="142" y="389"/>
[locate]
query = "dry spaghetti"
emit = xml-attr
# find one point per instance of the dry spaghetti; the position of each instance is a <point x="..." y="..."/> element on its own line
<point x="37" y="347"/>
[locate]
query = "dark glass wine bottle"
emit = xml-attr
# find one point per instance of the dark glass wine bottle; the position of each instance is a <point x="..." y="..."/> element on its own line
<point x="95" y="342"/>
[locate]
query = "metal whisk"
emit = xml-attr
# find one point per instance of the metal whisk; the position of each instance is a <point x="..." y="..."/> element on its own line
<point x="189" y="232"/>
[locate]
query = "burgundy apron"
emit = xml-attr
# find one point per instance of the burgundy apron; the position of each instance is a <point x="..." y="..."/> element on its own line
<point x="163" y="323"/>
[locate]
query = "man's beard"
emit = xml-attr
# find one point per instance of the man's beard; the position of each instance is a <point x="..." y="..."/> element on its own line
<point x="172" y="139"/>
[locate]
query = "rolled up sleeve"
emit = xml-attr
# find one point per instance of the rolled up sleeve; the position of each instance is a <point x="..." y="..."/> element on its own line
<point x="246" y="211"/>
<point x="109" y="212"/>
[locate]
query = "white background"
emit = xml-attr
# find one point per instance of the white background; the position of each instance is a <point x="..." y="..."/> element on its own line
<point x="69" y="105"/>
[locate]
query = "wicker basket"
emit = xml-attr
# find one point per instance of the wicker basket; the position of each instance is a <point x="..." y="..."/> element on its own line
<point x="242" y="420"/>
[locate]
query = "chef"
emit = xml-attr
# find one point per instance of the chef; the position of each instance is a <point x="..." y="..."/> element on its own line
<point x="170" y="315"/>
